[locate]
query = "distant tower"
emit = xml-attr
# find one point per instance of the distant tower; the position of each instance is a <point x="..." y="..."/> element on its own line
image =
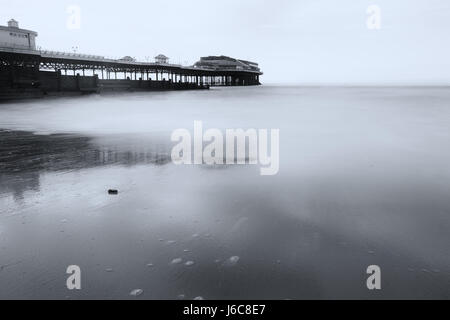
<point x="13" y="24"/>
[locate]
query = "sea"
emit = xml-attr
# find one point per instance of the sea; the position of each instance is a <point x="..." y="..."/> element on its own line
<point x="363" y="180"/>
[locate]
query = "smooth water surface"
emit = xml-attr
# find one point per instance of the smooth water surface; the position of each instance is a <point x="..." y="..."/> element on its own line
<point x="364" y="180"/>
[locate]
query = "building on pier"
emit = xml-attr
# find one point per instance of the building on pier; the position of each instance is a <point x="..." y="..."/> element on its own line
<point x="128" y="59"/>
<point x="226" y="63"/>
<point x="12" y="36"/>
<point x="26" y="70"/>
<point x="162" y="59"/>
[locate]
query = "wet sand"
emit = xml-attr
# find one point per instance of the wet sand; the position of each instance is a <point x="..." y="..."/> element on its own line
<point x="364" y="180"/>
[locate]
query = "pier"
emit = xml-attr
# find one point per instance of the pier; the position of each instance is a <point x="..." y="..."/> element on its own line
<point x="26" y="71"/>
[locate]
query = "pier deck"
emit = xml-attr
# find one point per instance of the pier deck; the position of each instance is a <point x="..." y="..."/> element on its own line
<point x="53" y="71"/>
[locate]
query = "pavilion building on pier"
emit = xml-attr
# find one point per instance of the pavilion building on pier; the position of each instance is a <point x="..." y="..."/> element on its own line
<point x="25" y="69"/>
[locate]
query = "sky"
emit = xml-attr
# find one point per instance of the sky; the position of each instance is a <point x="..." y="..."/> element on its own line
<point x="295" y="41"/>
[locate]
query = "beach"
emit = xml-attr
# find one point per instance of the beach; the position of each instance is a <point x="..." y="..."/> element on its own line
<point x="364" y="180"/>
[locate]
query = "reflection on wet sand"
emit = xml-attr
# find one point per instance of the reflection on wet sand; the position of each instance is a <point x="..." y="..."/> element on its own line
<point x="183" y="231"/>
<point x="24" y="156"/>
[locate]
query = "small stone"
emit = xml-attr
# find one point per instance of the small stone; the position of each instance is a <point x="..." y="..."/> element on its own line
<point x="177" y="261"/>
<point x="199" y="298"/>
<point x="150" y="265"/>
<point x="109" y="270"/>
<point x="113" y="192"/>
<point x="189" y="263"/>
<point x="436" y="270"/>
<point x="136" y="293"/>
<point x="232" y="261"/>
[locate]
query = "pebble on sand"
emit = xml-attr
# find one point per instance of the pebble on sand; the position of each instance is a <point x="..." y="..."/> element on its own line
<point x="136" y="292"/>
<point x="177" y="261"/>
<point x="199" y="298"/>
<point x="232" y="261"/>
<point x="113" y="192"/>
<point x="436" y="270"/>
<point x="189" y="263"/>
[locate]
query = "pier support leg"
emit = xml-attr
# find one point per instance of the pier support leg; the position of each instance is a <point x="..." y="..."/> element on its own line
<point x="58" y="77"/>
<point x="78" y="82"/>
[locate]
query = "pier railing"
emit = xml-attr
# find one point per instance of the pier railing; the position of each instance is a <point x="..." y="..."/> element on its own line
<point x="88" y="57"/>
<point x="59" y="54"/>
<point x="58" y="58"/>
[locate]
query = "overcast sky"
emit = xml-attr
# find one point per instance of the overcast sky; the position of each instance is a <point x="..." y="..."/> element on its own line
<point x="295" y="41"/>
